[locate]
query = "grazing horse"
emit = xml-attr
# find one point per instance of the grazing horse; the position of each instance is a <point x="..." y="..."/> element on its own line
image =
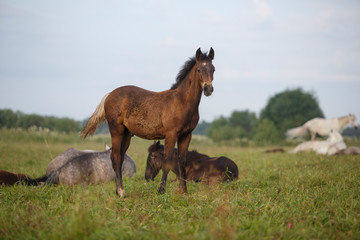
<point x="171" y="115"/>
<point x="89" y="167"/>
<point x="330" y="146"/>
<point x="198" y="167"/>
<point x="322" y="126"/>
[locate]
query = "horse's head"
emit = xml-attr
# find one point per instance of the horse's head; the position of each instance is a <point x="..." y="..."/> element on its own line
<point x="154" y="161"/>
<point x="353" y="121"/>
<point x="205" y="70"/>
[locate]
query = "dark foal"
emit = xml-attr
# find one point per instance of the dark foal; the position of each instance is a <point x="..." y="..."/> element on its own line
<point x="198" y="167"/>
<point x="9" y="178"/>
<point x="171" y="115"/>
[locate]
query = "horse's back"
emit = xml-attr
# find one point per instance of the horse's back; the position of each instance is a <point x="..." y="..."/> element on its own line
<point x="322" y="126"/>
<point x="63" y="158"/>
<point x="138" y="109"/>
<point x="212" y="169"/>
<point x="93" y="168"/>
<point x="88" y="168"/>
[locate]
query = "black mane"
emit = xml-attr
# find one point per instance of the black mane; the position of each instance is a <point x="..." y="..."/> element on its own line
<point x="186" y="68"/>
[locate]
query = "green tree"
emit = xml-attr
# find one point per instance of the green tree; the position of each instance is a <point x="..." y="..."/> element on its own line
<point x="221" y="130"/>
<point x="201" y="128"/>
<point x="8" y="118"/>
<point x="244" y="120"/>
<point x="67" y="125"/>
<point x="29" y="120"/>
<point x="291" y="108"/>
<point x="266" y="133"/>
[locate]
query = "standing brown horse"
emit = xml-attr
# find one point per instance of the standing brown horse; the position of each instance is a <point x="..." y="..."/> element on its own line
<point x="171" y="115"/>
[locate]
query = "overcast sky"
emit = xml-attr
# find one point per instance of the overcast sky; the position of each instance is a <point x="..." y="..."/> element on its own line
<point x="60" y="58"/>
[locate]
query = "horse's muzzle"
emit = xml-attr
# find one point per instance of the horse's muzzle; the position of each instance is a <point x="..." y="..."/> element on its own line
<point x="356" y="127"/>
<point x="208" y="89"/>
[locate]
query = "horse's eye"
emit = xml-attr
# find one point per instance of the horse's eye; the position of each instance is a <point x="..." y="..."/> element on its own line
<point x="198" y="70"/>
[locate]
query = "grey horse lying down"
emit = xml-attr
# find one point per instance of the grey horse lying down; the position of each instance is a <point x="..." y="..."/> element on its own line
<point x="85" y="167"/>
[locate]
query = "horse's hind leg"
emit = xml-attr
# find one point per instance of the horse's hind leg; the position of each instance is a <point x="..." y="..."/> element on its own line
<point x="168" y="153"/>
<point x="120" y="139"/>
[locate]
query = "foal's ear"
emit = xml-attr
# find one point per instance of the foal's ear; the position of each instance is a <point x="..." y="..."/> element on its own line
<point x="198" y="54"/>
<point x="211" y="54"/>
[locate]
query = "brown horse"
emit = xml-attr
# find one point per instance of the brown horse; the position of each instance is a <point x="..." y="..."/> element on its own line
<point x="9" y="178"/>
<point x="171" y="115"/>
<point x="198" y="167"/>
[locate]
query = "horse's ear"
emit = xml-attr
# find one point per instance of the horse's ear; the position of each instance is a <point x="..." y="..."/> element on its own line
<point x="211" y="54"/>
<point x="198" y="54"/>
<point x="106" y="147"/>
<point x="157" y="143"/>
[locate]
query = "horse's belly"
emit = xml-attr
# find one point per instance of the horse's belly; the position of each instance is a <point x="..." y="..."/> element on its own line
<point x="150" y="130"/>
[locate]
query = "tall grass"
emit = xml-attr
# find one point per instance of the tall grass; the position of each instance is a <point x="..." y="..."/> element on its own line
<point x="277" y="196"/>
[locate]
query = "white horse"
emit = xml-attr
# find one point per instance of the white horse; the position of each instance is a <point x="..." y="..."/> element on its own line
<point x="330" y="146"/>
<point x="322" y="126"/>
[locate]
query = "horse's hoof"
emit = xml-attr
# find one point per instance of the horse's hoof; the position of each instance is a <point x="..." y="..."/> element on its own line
<point x="120" y="193"/>
<point x="161" y="190"/>
<point x="184" y="191"/>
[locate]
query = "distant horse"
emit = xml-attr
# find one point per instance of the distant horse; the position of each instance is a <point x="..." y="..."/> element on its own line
<point x="198" y="167"/>
<point x="171" y="115"/>
<point x="9" y="178"/>
<point x="322" y="126"/>
<point x="275" y="150"/>
<point x="332" y="145"/>
<point x="89" y="168"/>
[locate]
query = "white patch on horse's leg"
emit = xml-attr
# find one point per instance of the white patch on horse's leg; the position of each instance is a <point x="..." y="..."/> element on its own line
<point x="121" y="192"/>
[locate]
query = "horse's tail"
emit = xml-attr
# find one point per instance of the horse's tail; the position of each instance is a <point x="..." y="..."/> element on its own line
<point x="40" y="179"/>
<point x="96" y="119"/>
<point x="53" y="178"/>
<point x="296" y="132"/>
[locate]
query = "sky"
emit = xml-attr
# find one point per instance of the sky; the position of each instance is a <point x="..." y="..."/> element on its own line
<point x="59" y="58"/>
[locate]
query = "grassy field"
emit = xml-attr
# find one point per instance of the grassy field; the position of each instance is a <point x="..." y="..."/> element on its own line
<point x="277" y="196"/>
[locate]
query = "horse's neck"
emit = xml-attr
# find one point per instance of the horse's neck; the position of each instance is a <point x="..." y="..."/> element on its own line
<point x="343" y="121"/>
<point x="190" y="90"/>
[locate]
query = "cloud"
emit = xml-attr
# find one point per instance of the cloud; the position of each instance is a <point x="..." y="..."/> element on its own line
<point x="263" y="10"/>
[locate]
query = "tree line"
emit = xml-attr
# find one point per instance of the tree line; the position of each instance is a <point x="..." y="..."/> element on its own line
<point x="288" y="109"/>
<point x="11" y="119"/>
<point x="285" y="110"/>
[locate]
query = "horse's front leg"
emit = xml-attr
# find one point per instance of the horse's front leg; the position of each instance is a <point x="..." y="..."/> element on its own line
<point x="168" y="154"/>
<point x="183" y="145"/>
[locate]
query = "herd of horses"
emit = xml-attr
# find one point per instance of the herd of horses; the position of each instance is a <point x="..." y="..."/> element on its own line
<point x="171" y="115"/>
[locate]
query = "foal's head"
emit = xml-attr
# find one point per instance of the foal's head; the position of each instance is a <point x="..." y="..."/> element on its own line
<point x="205" y="70"/>
<point x="154" y="160"/>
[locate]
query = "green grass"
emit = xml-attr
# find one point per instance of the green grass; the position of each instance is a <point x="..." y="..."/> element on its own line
<point x="277" y="196"/>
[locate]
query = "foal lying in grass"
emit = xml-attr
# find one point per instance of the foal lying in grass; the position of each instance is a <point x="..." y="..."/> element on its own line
<point x="198" y="167"/>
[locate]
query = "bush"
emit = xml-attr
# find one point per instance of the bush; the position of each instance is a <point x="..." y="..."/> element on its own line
<point x="266" y="133"/>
